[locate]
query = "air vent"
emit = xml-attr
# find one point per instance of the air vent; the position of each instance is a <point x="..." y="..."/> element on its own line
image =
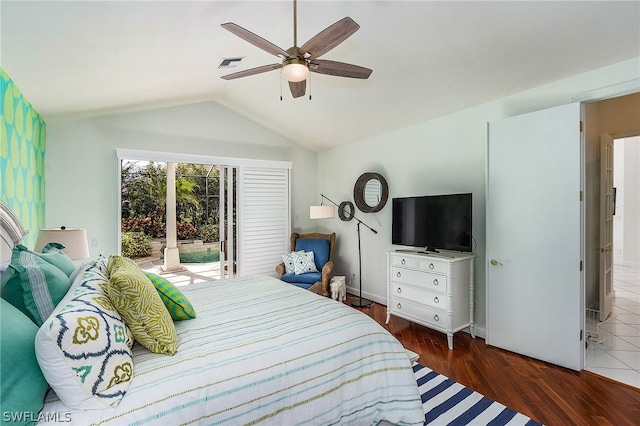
<point x="230" y="62"/>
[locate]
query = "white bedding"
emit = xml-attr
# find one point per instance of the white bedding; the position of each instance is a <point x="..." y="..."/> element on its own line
<point x="263" y="351"/>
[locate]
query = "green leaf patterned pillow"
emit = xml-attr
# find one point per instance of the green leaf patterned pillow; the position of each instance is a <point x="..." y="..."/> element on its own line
<point x="139" y="304"/>
<point x="179" y="307"/>
<point x="84" y="347"/>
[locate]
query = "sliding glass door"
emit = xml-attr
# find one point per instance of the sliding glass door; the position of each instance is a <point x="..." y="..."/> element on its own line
<point x="240" y="205"/>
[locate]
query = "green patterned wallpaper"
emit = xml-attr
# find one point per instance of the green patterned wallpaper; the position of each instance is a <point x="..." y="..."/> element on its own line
<point x="22" y="148"/>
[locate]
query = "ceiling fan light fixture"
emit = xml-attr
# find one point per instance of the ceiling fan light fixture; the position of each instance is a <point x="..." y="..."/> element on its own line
<point x="295" y="70"/>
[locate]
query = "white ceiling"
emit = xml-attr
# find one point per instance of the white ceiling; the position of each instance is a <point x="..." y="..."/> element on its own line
<point x="429" y="58"/>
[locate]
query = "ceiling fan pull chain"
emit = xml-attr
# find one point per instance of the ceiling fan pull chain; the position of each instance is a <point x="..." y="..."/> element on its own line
<point x="280" y="84"/>
<point x="309" y="82"/>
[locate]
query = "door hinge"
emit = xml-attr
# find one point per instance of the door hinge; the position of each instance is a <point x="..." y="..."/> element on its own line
<point x="581" y="125"/>
<point x="581" y="335"/>
<point x="581" y="264"/>
<point x="581" y="195"/>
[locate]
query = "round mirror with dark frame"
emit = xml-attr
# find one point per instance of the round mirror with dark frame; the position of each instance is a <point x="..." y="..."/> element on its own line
<point x="346" y="211"/>
<point x="371" y="192"/>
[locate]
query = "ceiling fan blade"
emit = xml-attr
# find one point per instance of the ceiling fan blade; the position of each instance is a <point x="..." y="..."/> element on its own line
<point x="329" y="38"/>
<point x="298" y="88"/>
<point x="254" y="39"/>
<point x="339" y="69"/>
<point x="252" y="71"/>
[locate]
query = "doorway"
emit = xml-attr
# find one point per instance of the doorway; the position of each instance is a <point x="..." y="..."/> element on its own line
<point x="262" y="205"/>
<point x="610" y="355"/>
<point x="205" y="232"/>
<point x="619" y="117"/>
<point x="613" y="345"/>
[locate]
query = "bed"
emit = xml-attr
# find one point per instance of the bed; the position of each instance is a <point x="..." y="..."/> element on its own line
<point x="258" y="351"/>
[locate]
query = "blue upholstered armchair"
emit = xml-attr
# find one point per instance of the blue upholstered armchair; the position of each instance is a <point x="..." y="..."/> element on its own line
<point x="322" y="247"/>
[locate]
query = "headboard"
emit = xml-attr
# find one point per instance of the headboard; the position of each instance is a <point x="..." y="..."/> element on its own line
<point x="11" y="232"/>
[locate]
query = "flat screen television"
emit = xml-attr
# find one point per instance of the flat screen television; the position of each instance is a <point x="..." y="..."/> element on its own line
<point x="433" y="222"/>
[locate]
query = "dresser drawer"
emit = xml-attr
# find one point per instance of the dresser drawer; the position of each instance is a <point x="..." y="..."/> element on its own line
<point x="408" y="262"/>
<point x="420" y="313"/>
<point x="433" y="265"/>
<point x="419" y="279"/>
<point x="418" y="295"/>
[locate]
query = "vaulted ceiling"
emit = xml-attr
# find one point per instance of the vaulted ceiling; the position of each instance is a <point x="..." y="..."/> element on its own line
<point x="75" y="59"/>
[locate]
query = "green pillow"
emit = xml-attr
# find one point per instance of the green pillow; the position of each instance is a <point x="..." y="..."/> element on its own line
<point x="33" y="285"/>
<point x="23" y="385"/>
<point x="177" y="303"/>
<point x="140" y="306"/>
<point x="53" y="254"/>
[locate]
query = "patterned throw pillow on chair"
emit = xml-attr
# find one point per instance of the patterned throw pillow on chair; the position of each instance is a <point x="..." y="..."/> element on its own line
<point x="304" y="263"/>
<point x="289" y="260"/>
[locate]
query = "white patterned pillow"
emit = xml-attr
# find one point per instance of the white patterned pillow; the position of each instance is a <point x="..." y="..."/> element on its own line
<point x="289" y="260"/>
<point x="84" y="347"/>
<point x="305" y="263"/>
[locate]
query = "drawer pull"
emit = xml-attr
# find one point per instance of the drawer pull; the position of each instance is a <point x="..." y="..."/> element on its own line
<point x="435" y="282"/>
<point x="398" y="274"/>
<point x="436" y="300"/>
<point x="436" y="317"/>
<point x="431" y="266"/>
<point x="399" y="306"/>
<point x="399" y="290"/>
<point x="403" y="261"/>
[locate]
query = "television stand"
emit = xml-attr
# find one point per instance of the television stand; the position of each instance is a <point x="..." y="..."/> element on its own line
<point x="434" y="290"/>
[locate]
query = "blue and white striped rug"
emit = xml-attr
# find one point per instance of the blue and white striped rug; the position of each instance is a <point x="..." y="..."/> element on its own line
<point x="446" y="402"/>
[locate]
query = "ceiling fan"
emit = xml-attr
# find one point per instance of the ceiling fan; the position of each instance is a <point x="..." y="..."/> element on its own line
<point x="297" y="62"/>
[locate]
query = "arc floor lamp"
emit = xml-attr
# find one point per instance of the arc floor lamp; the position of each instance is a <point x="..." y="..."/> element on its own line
<point x="328" y="212"/>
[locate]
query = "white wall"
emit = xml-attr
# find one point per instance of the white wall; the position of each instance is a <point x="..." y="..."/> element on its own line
<point x="440" y="156"/>
<point x="81" y="168"/>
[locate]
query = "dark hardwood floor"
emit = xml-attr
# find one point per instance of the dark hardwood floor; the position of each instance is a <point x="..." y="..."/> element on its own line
<point x="547" y="393"/>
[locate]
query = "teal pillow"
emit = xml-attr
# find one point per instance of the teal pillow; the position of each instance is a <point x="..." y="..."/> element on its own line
<point x="23" y="385"/>
<point x="33" y="285"/>
<point x="53" y="254"/>
<point x="177" y="303"/>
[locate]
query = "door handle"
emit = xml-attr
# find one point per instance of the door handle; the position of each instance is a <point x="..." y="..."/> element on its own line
<point x="495" y="262"/>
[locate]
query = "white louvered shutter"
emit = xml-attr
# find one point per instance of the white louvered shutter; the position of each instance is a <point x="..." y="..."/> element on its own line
<point x="264" y="229"/>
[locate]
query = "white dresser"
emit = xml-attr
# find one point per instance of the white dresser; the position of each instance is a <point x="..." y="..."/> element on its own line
<point x="433" y="290"/>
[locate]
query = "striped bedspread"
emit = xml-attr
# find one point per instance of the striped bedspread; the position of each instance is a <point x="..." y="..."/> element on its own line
<point x="263" y="351"/>
<point x="446" y="402"/>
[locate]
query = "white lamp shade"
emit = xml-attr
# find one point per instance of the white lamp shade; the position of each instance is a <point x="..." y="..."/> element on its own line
<point x="74" y="241"/>
<point x="322" y="212"/>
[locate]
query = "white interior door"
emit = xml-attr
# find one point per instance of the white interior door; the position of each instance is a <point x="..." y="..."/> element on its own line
<point x="534" y="235"/>
<point x="606" y="226"/>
